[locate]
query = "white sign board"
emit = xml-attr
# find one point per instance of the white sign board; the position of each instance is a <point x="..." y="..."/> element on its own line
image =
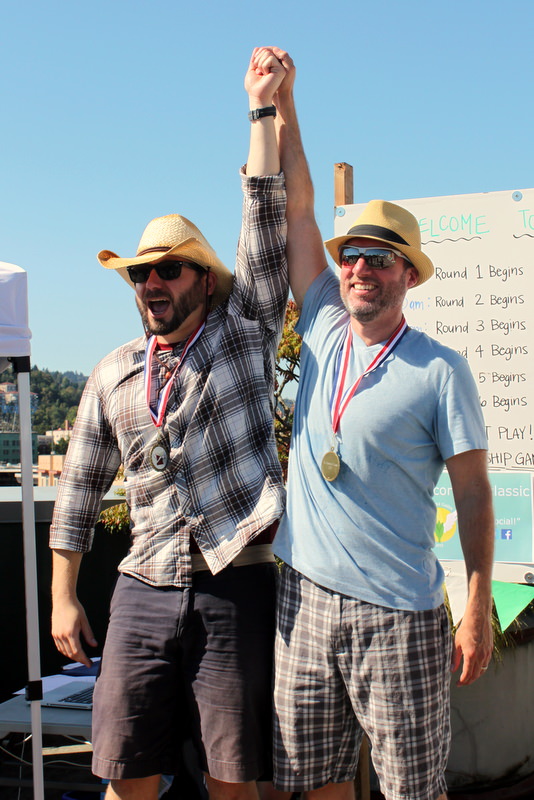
<point x="481" y="303"/>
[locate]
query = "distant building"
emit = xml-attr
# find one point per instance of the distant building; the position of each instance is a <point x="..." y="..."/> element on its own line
<point x="9" y="399"/>
<point x="60" y="433"/>
<point x="49" y="469"/>
<point x="10" y="447"/>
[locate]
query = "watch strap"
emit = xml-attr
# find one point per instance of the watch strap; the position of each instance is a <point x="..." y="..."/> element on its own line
<point x="258" y="113"/>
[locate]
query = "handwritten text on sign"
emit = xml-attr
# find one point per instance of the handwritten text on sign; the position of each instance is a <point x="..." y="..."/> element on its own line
<point x="480" y="302"/>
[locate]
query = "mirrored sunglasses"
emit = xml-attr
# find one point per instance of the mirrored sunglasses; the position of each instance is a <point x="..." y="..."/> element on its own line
<point x="375" y="257"/>
<point x="166" y="270"/>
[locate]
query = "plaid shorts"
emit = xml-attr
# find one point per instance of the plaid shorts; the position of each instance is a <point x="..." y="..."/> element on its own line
<point x="344" y="667"/>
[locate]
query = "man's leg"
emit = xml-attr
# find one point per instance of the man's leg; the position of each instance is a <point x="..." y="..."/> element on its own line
<point x="227" y="648"/>
<point x="268" y="792"/>
<point x="137" y="713"/>
<point x="219" y="790"/>
<point x="339" y="791"/>
<point x="332" y="791"/>
<point x="400" y="659"/>
<point x="134" y="788"/>
<point x="317" y="736"/>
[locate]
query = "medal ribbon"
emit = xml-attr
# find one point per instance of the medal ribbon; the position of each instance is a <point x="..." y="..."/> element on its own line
<point x="158" y="406"/>
<point x="340" y="400"/>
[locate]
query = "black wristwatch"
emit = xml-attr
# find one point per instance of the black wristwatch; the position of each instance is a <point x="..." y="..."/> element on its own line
<point x="258" y="113"/>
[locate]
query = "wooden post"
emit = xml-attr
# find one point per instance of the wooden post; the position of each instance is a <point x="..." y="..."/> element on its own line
<point x="362" y="784"/>
<point x="343" y="185"/>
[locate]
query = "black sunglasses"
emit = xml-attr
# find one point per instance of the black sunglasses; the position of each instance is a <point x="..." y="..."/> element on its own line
<point x="375" y="257"/>
<point x="166" y="270"/>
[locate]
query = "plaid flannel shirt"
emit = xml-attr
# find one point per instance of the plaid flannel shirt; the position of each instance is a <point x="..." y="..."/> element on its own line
<point x="223" y="484"/>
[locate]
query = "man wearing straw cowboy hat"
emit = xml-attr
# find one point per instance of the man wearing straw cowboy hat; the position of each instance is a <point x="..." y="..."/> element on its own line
<point x="363" y="641"/>
<point x="187" y="410"/>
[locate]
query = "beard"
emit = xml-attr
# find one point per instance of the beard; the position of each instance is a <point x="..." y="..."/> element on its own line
<point x="182" y="308"/>
<point x="388" y="297"/>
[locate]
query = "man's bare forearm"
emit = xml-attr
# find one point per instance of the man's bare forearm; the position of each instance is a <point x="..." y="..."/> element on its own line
<point x="65" y="569"/>
<point x="473" y="500"/>
<point x="69" y="621"/>
<point x="305" y="252"/>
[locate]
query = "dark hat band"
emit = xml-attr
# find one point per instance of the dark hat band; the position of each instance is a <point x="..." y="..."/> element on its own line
<point x="153" y="250"/>
<point x="376" y="231"/>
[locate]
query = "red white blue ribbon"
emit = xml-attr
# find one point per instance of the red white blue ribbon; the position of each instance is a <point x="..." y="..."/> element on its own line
<point x="157" y="405"/>
<point x="340" y="397"/>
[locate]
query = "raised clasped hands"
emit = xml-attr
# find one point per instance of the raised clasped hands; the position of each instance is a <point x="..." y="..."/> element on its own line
<point x="268" y="70"/>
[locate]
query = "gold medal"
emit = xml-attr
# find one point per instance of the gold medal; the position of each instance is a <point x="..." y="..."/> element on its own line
<point x="330" y="465"/>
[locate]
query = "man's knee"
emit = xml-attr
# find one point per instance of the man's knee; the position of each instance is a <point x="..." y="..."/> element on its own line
<point x="220" y="790"/>
<point x="134" y="788"/>
<point x="332" y="791"/>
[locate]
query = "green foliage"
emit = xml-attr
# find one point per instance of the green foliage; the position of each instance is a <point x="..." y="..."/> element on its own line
<point x="117" y="518"/>
<point x="61" y="447"/>
<point x="58" y="398"/>
<point x="287" y="371"/>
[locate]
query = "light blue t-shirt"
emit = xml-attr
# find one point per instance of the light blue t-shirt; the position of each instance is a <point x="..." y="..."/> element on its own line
<point x="369" y="534"/>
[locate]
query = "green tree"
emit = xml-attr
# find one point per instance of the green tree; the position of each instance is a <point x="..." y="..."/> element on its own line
<point x="287" y="373"/>
<point x="61" y="447"/>
<point x="58" y="397"/>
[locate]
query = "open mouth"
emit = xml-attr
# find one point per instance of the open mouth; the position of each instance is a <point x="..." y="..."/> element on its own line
<point x="158" y="308"/>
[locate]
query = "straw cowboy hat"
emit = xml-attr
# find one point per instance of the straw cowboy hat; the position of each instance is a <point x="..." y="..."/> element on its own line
<point x="393" y="225"/>
<point x="176" y="236"/>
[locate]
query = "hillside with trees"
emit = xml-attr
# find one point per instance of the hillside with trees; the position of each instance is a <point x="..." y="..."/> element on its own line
<point x="58" y="397"/>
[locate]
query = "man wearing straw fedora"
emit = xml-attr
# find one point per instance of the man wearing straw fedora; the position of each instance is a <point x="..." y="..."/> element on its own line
<point x="188" y="411"/>
<point x="363" y="642"/>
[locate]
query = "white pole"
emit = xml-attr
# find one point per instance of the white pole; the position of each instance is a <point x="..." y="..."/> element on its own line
<point x="30" y="571"/>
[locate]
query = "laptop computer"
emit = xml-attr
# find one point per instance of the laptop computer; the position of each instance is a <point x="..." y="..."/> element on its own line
<point x="74" y="694"/>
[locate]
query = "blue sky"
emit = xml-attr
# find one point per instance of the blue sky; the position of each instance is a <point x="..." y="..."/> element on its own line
<point x="116" y="112"/>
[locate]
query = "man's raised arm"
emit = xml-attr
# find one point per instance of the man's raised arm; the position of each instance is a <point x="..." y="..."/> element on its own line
<point x="305" y="251"/>
<point x="264" y="75"/>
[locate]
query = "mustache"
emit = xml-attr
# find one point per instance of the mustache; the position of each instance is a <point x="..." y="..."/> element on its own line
<point x="154" y="294"/>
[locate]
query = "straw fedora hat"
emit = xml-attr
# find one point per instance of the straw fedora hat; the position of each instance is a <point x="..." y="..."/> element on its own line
<point x="173" y="235"/>
<point x="393" y="225"/>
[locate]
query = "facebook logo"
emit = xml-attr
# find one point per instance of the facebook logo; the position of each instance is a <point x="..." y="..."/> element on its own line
<point x="506" y="533"/>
